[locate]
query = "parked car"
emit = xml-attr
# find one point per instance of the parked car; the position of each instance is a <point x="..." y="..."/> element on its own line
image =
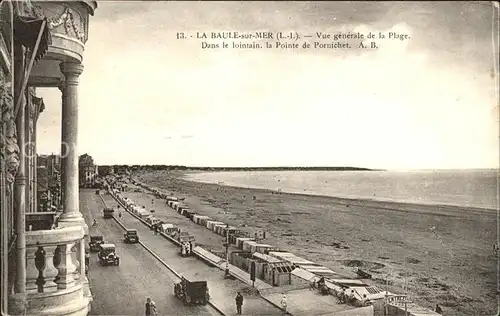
<point x="107" y="255"/>
<point x="108" y="212"/>
<point x="192" y="292"/>
<point x="131" y="236"/>
<point x="95" y="243"/>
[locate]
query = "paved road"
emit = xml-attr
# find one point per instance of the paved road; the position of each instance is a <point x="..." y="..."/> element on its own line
<point x="222" y="291"/>
<point x="123" y="289"/>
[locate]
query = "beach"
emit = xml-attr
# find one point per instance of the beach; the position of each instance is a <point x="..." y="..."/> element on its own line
<point x="443" y="254"/>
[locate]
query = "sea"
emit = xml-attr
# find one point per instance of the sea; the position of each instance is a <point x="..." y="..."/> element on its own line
<point x="464" y="188"/>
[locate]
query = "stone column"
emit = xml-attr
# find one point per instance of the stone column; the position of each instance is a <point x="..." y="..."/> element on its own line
<point x="61" y="157"/>
<point x="69" y="148"/>
<point x="27" y="149"/>
<point x="35" y="170"/>
<point x="20" y="180"/>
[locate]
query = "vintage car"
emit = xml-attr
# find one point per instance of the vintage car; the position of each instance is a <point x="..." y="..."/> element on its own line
<point x="192" y="292"/>
<point x="131" y="236"/>
<point x="107" y="255"/>
<point x="95" y="243"/>
<point x="108" y="212"/>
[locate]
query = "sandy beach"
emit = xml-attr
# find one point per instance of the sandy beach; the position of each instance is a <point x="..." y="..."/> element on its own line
<point x="444" y="253"/>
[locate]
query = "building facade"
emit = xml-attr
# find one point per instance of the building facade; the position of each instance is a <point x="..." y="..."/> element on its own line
<point x="87" y="171"/>
<point x="41" y="45"/>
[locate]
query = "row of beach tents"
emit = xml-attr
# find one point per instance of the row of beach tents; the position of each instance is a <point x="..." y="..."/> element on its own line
<point x="304" y="269"/>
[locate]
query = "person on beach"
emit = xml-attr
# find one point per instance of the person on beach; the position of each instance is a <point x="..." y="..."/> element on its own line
<point x="239" y="303"/>
<point x="439" y="310"/>
<point x="150" y="307"/>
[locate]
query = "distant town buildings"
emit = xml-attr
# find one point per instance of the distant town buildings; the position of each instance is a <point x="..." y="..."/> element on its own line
<point x="87" y="171"/>
<point x="48" y="183"/>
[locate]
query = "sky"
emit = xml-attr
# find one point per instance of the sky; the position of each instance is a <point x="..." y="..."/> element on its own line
<point x="145" y="97"/>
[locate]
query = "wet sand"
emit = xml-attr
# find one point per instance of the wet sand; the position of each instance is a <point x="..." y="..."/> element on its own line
<point x="444" y="253"/>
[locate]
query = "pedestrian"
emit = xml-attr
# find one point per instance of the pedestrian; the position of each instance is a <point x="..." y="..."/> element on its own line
<point x="150" y="307"/>
<point x="239" y="303"/>
<point x="284" y="304"/>
<point x="439" y="310"/>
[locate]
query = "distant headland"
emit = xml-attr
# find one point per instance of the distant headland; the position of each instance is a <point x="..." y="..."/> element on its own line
<point x="118" y="168"/>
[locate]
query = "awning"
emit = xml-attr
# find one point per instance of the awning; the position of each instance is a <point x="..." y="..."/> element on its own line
<point x="26" y="32"/>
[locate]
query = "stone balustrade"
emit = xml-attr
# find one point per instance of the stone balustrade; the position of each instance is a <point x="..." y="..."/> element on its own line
<point x="55" y="272"/>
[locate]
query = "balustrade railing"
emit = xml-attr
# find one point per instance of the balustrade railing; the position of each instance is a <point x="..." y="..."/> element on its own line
<point x="54" y="259"/>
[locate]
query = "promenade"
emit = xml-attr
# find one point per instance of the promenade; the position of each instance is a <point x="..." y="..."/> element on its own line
<point x="123" y="289"/>
<point x="222" y="291"/>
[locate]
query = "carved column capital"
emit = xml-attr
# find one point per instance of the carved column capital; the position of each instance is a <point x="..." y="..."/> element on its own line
<point x="71" y="72"/>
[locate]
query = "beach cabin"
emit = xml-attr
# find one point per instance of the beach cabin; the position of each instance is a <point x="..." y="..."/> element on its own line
<point x="143" y="214"/>
<point x="300" y="276"/>
<point x="167" y="229"/>
<point x="290" y="257"/>
<point x="172" y="199"/>
<point x="374" y="294"/>
<point x="278" y="273"/>
<point x="203" y="221"/>
<point x="189" y="214"/>
<point x="262" y="262"/>
<point x="247" y="245"/>
<point x="218" y="228"/>
<point x="396" y="306"/>
<point x="240" y="240"/>
<point x="175" y="205"/>
<point x="211" y="224"/>
<point x="198" y="219"/>
<point x="152" y="220"/>
<point x="263" y="248"/>
<point x="231" y="229"/>
<point x="320" y="271"/>
<point x="240" y="259"/>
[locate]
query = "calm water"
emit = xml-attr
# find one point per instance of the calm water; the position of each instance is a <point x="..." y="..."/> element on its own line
<point x="472" y="188"/>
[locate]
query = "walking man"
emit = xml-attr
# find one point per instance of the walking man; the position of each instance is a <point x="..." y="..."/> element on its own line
<point x="239" y="303"/>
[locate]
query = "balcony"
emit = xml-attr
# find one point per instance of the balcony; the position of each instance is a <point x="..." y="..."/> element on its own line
<point x="56" y="283"/>
<point x="68" y="22"/>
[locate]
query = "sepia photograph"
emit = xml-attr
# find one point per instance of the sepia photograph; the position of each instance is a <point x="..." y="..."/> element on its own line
<point x="300" y="158"/>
